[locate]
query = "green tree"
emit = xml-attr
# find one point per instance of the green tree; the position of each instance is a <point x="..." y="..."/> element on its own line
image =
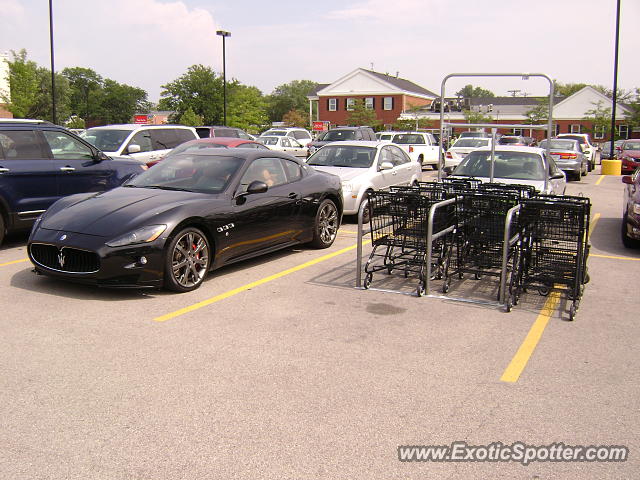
<point x="296" y="118"/>
<point x="361" y="115"/>
<point x="289" y="96"/>
<point x="190" y="118"/>
<point x="469" y="91"/>
<point x="599" y="117"/>
<point x="75" y="122"/>
<point x="633" y="117"/>
<point x="246" y="107"/>
<point x="199" y="89"/>
<point x="119" y="102"/>
<point x="539" y="113"/>
<point x="476" y="117"/>
<point x="85" y="86"/>
<point x="567" y="89"/>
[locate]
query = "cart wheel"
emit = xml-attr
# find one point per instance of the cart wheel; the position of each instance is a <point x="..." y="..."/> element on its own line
<point x="477" y="276"/>
<point x="544" y="291"/>
<point x="445" y="287"/>
<point x="572" y="313"/>
<point x="389" y="269"/>
<point x="421" y="289"/>
<point x="460" y="275"/>
<point x="406" y="273"/>
<point x="586" y="278"/>
<point x="367" y="280"/>
<point x="509" y="305"/>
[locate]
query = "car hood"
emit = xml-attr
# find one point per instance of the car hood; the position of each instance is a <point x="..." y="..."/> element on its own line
<point x="116" y="211"/>
<point x="345" y="173"/>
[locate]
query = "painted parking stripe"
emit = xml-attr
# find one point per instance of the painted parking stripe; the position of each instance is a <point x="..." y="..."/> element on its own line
<point x="614" y="257"/>
<point x="600" y="179"/>
<point x="248" y="286"/>
<point x="14" y="262"/>
<point x="592" y="227"/>
<point x="521" y="358"/>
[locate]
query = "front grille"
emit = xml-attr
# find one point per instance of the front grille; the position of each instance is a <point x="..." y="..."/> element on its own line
<point x="65" y="259"/>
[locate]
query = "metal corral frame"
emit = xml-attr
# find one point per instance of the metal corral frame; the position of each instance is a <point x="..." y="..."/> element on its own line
<point x="493" y="126"/>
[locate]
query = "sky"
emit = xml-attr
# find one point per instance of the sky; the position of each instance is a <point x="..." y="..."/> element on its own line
<point x="148" y="43"/>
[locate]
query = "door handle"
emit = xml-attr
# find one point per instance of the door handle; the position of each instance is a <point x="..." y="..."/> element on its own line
<point x="3" y="170"/>
<point x="67" y="169"/>
<point x="293" y="195"/>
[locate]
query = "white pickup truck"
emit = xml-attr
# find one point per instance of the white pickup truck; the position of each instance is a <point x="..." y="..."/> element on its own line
<point x="421" y="147"/>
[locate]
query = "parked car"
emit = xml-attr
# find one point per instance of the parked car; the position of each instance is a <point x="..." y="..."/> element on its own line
<point x="585" y="143"/>
<point x="514" y="140"/>
<point x="284" y="144"/>
<point x="222" y="131"/>
<point x="530" y="141"/>
<point x="630" y="155"/>
<point x="41" y="162"/>
<point x="141" y="142"/>
<point x="341" y="134"/>
<point x="475" y="135"/>
<point x="568" y="156"/>
<point x="301" y="135"/>
<point x="520" y="165"/>
<point x="605" y="149"/>
<point x="385" y="135"/>
<point x="364" y="166"/>
<point x="631" y="210"/>
<point x="462" y="147"/>
<point x="192" y="213"/>
<point x="211" y="143"/>
<point x="421" y="147"/>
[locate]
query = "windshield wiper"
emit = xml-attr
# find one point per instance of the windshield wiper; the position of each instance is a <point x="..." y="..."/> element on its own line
<point x="166" y="187"/>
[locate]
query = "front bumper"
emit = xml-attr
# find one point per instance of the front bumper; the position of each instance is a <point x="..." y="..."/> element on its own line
<point x="629" y="165"/>
<point x="633" y="226"/>
<point x="133" y="266"/>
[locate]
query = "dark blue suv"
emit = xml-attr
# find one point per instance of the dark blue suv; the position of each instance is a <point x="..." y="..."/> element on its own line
<point x="41" y="162"/>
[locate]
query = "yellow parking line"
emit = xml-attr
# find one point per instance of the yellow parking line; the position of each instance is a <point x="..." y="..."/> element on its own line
<point x="14" y="262"/>
<point x="595" y="219"/>
<point x="614" y="257"/>
<point x="600" y="179"/>
<point x="248" y="286"/>
<point x="521" y="358"/>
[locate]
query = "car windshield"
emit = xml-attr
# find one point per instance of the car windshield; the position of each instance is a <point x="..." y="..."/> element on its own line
<point x="514" y="165"/>
<point x="338" y="135"/>
<point x="559" y="144"/>
<point x="343" y="156"/>
<point x="203" y="173"/>
<point x="510" y="140"/>
<point x="107" y="140"/>
<point x="580" y="140"/>
<point x="277" y="133"/>
<point x="268" y="140"/>
<point x="631" y="146"/>
<point x="386" y="136"/>
<point x="473" y="134"/>
<point x="408" y="138"/>
<point x="471" y="142"/>
<point x="195" y="146"/>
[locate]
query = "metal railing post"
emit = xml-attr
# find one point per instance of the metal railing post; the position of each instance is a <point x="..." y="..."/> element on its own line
<point x="507" y="241"/>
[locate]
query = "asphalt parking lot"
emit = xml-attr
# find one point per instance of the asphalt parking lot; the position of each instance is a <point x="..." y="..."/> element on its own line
<point x="278" y="368"/>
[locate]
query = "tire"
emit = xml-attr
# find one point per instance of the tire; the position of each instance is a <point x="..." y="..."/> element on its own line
<point x="367" y="281"/>
<point x="421" y="289"/>
<point x="626" y="241"/>
<point x="584" y="171"/>
<point x="187" y="260"/>
<point x="436" y="166"/>
<point x="421" y="161"/>
<point x="326" y="224"/>
<point x="1" y="228"/>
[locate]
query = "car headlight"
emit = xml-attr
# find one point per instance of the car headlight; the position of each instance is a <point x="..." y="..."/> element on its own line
<point x="636" y="208"/>
<point x="139" y="235"/>
<point x="347" y="187"/>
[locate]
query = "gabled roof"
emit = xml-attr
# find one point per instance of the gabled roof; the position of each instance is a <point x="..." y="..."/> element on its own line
<point x="402" y="83"/>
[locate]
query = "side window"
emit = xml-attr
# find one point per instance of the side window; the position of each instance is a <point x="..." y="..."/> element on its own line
<point x="21" y="145"/>
<point x="184" y="135"/>
<point x="164" y="138"/>
<point x="64" y="146"/>
<point x="358" y="135"/>
<point x="267" y="170"/>
<point x="386" y="156"/>
<point x="301" y="136"/>
<point x="143" y="139"/>
<point x="285" y="142"/>
<point x="553" y="168"/>
<point x="243" y="135"/>
<point x="294" y="172"/>
<point x="399" y="156"/>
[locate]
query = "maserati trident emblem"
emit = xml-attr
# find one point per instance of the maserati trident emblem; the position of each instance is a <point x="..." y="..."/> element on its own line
<point x="63" y="237"/>
<point x="61" y="259"/>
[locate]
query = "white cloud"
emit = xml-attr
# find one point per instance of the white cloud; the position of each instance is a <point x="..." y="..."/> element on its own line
<point x="398" y="11"/>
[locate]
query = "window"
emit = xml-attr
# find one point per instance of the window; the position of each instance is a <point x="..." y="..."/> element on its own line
<point x="350" y="105"/>
<point x="294" y="172"/>
<point x="333" y="104"/>
<point x="387" y="103"/>
<point x="301" y="136"/>
<point x="267" y="170"/>
<point x="399" y="156"/>
<point x="20" y="145"/>
<point x="556" y="129"/>
<point x="64" y="146"/>
<point x="184" y="135"/>
<point x="623" y="131"/>
<point x="518" y="132"/>
<point x="598" y="132"/>
<point x="369" y="103"/>
<point x="575" y="128"/>
<point x="164" y="138"/>
<point x="143" y="139"/>
<point x="285" y="142"/>
<point x="386" y="155"/>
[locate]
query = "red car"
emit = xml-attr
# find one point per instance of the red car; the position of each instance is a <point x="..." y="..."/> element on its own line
<point x="630" y="156"/>
<point x="213" y="142"/>
<point x="631" y="213"/>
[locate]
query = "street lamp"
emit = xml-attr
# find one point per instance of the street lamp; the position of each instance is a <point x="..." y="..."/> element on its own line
<point x="224" y="35"/>
<point x="53" y="71"/>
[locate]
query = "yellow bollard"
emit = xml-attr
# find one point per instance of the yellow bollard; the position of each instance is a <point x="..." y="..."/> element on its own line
<point x="611" y="167"/>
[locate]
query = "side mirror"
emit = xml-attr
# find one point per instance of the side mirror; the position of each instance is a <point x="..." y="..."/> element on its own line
<point x="133" y="148"/>
<point x="627" y="179"/>
<point x="448" y="170"/>
<point x="257" y="187"/>
<point x="99" y="156"/>
<point x="557" y="176"/>
<point x="386" y="166"/>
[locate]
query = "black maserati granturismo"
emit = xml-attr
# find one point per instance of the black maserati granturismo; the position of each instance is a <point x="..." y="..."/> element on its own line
<point x="190" y="214"/>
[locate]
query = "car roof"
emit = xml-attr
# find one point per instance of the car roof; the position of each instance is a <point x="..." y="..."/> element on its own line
<point x="509" y="148"/>
<point x="135" y="126"/>
<point x="360" y="143"/>
<point x="242" y="153"/>
<point x="227" y="141"/>
<point x="25" y="120"/>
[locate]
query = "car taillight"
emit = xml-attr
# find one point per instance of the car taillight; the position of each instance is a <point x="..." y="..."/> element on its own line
<point x="449" y="155"/>
<point x="410" y="149"/>
<point x="568" y="156"/>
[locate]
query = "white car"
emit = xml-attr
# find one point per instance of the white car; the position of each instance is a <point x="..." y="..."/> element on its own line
<point x="147" y="143"/>
<point x="521" y="165"/>
<point x="421" y="146"/>
<point x="462" y="147"/>
<point x="364" y="166"/>
<point x="301" y="135"/>
<point x="283" y="144"/>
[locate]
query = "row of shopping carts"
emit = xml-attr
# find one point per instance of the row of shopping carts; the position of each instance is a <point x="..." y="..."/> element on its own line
<point x="446" y="230"/>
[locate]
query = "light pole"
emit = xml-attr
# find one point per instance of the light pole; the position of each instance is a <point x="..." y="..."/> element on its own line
<point x="224" y="35"/>
<point x="615" y="85"/>
<point x="53" y="72"/>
